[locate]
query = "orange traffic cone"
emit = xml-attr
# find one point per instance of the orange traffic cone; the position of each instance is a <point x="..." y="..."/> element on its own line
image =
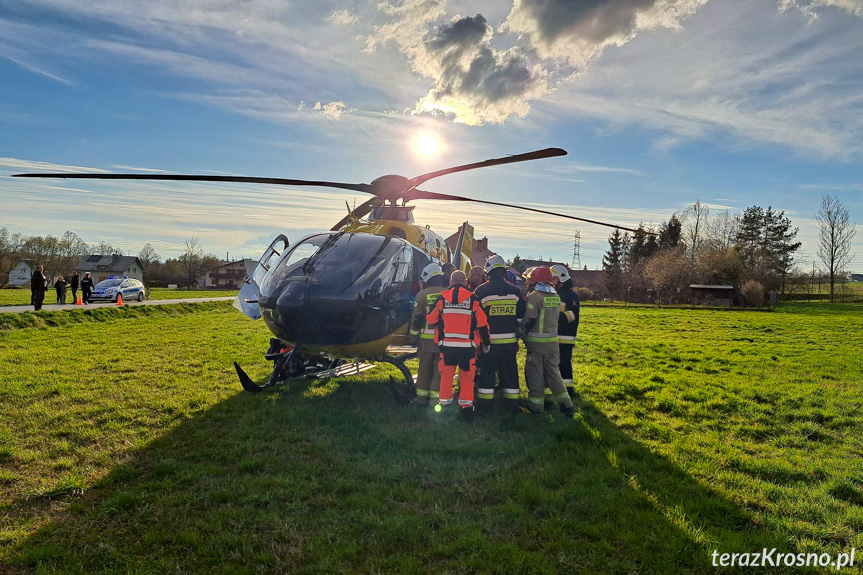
<point x="80" y="300"/>
<point x="119" y="299"/>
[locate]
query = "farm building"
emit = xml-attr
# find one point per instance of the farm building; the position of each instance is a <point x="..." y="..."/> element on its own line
<point x="228" y="275"/>
<point x="103" y="267"/>
<point x="20" y="274"/>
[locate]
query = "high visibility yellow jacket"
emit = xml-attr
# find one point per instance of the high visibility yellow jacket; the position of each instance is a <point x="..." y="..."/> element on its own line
<point x="420" y="327"/>
<point x="539" y="325"/>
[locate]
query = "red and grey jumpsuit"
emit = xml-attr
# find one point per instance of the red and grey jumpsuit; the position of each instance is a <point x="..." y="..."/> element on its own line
<point x="460" y="323"/>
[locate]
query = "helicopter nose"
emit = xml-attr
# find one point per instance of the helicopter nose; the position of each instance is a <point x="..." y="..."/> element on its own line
<point x="294" y="295"/>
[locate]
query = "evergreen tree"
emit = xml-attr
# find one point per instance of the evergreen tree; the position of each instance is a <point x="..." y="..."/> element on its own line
<point x="766" y="241"/>
<point x="669" y="233"/>
<point x="614" y="260"/>
<point x="780" y="242"/>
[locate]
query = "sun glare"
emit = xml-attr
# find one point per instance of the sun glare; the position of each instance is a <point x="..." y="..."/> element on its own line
<point x="428" y="145"/>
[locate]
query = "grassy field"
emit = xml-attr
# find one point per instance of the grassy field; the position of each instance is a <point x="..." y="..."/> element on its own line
<point x="22" y="296"/>
<point x="126" y="446"/>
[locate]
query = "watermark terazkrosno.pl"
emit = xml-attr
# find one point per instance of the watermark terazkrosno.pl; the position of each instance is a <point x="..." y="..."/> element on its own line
<point x="775" y="558"/>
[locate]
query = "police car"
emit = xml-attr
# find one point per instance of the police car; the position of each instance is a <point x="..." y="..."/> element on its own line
<point x="108" y="290"/>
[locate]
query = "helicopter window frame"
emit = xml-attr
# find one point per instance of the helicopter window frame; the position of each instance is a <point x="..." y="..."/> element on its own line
<point x="286" y="270"/>
<point x="265" y="263"/>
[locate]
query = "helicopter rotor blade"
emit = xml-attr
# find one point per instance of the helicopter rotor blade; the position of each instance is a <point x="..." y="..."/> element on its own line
<point x="535" y="155"/>
<point x="198" y="178"/>
<point x="424" y="195"/>
<point x="357" y="212"/>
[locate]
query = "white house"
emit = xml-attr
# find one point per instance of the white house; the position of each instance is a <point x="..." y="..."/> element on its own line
<point x="227" y="275"/>
<point x="21" y="273"/>
<point x="103" y="267"/>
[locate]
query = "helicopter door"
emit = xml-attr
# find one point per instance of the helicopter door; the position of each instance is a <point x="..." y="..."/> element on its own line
<point x="247" y="299"/>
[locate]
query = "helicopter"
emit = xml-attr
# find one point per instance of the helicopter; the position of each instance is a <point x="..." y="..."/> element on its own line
<point x="335" y="298"/>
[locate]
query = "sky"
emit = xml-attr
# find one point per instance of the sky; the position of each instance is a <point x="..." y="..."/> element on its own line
<point x="659" y="103"/>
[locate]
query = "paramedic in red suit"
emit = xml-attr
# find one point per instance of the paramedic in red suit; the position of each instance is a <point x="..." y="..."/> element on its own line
<point x="460" y="323"/>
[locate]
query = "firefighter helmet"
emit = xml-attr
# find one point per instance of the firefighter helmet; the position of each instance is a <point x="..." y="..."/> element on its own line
<point x="540" y="274"/>
<point x="430" y="271"/>
<point x="527" y="272"/>
<point x="494" y="262"/>
<point x="560" y="272"/>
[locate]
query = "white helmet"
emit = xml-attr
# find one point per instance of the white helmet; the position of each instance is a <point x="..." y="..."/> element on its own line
<point x="430" y="271"/>
<point x="560" y="272"/>
<point x="494" y="262"/>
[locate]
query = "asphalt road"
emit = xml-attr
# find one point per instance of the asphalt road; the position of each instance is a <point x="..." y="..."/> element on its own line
<point x="56" y="307"/>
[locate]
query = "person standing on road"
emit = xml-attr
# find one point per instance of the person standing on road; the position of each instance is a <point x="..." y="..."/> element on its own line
<point x="87" y="287"/>
<point x="60" y="287"/>
<point x="74" y="282"/>
<point x="38" y="283"/>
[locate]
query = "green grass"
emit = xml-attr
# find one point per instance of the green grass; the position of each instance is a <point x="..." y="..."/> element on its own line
<point x="22" y="296"/>
<point x="127" y="447"/>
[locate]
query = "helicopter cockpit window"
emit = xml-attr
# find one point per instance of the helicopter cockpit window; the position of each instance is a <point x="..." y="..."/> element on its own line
<point x="292" y="261"/>
<point x="347" y="267"/>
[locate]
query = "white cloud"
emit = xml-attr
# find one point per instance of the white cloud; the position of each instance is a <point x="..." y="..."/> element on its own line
<point x="810" y="7"/>
<point x="29" y="165"/>
<point x="334" y="110"/>
<point x="342" y="17"/>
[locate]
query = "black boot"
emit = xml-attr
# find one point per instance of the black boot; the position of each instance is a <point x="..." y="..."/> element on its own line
<point x="466" y="414"/>
<point x="568" y="412"/>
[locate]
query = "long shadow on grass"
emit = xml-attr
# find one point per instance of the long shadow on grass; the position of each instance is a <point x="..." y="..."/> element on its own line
<point x="336" y="478"/>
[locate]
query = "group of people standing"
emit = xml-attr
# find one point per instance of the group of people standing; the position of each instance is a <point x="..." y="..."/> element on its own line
<point x="39" y="285"/>
<point x="473" y="325"/>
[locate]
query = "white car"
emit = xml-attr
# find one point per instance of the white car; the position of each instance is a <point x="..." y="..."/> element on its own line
<point x="109" y="289"/>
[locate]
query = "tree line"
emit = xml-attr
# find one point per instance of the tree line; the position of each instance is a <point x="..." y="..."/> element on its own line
<point x="754" y="250"/>
<point x="60" y="255"/>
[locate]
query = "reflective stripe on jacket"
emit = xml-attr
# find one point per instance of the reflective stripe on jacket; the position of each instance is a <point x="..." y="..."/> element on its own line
<point x="541" y="318"/>
<point x="423" y="304"/>
<point x="458" y="319"/>
<point x="504" y="307"/>
<point x="567" y="324"/>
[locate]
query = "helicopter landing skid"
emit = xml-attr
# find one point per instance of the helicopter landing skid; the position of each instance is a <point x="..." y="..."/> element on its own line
<point x="280" y="360"/>
<point x="402" y="396"/>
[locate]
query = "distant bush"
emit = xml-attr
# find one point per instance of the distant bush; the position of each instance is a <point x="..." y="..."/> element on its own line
<point x="584" y="293"/>
<point x="754" y="293"/>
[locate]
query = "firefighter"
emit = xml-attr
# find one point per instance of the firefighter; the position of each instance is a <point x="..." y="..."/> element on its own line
<point x="422" y="334"/>
<point x="539" y="328"/>
<point x="504" y="306"/>
<point x="567" y="323"/>
<point x="459" y="322"/>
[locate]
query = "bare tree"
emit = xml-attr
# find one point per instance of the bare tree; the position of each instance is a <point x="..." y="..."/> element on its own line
<point x="721" y="230"/>
<point x="694" y="220"/>
<point x="192" y="258"/>
<point x="834" y="243"/>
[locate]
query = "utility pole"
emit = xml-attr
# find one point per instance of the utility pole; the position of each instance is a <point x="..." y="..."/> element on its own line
<point x="576" y="251"/>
